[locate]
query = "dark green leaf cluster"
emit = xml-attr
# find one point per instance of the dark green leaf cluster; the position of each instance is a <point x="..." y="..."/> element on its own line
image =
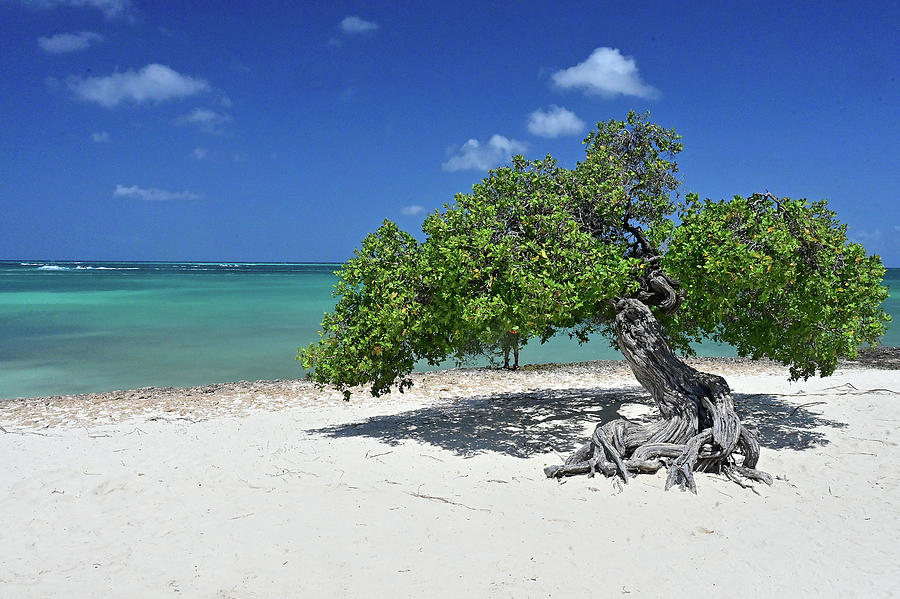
<point x="628" y="180"/>
<point x="376" y="327"/>
<point x="510" y="257"/>
<point x="775" y="278"/>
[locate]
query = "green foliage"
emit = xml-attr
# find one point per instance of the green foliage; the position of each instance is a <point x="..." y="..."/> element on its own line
<point x="629" y="168"/>
<point x="369" y="336"/>
<point x="536" y="248"/>
<point x="775" y="278"/>
<point x="510" y="257"/>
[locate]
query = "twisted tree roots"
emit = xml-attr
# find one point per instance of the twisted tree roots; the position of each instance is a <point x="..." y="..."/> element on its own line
<point x="625" y="448"/>
<point x="699" y="429"/>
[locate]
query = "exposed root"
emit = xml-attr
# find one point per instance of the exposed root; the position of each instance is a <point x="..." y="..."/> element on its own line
<point x="699" y="431"/>
<point x="681" y="472"/>
<point x="606" y="454"/>
<point x="749" y="473"/>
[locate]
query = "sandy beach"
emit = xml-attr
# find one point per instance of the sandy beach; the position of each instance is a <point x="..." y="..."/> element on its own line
<point x="276" y="489"/>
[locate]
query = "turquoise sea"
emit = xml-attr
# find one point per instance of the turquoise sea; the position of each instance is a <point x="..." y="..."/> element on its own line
<point x="80" y="327"/>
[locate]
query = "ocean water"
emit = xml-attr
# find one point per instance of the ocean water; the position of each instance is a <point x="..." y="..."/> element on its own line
<point x="80" y="327"/>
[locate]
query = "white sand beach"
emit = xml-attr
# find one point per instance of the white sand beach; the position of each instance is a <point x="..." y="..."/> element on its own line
<point x="274" y="489"/>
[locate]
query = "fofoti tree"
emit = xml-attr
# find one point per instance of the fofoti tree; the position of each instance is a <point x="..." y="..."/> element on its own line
<point x="608" y="248"/>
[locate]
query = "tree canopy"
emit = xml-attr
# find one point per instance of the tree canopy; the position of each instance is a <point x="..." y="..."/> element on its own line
<point x="537" y="247"/>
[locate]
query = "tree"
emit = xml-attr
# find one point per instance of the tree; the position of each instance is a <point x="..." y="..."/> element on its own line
<point x="607" y="248"/>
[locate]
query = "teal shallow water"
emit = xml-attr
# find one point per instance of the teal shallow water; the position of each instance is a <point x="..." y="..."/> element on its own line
<point x="98" y="326"/>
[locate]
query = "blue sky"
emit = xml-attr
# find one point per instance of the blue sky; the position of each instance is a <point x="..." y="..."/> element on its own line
<point x="283" y="131"/>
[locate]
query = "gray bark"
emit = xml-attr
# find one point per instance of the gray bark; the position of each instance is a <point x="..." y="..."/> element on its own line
<point x="698" y="430"/>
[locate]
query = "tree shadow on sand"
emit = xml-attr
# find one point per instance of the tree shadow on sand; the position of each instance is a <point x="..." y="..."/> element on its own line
<point x="536" y="422"/>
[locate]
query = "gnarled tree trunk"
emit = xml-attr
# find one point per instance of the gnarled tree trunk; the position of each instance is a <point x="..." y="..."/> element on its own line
<point x="698" y="429"/>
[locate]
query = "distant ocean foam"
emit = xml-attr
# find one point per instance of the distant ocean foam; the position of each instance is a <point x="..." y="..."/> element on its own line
<point x="59" y="267"/>
<point x="176" y="266"/>
<point x="188" y="266"/>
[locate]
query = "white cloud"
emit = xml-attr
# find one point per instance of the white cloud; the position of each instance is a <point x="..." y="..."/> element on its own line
<point x="239" y="67"/>
<point x="606" y="73"/>
<point x="155" y="82"/>
<point x="111" y="9"/>
<point x="69" y="42"/>
<point x="354" y="25"/>
<point x="208" y="120"/>
<point x="101" y="137"/>
<point x="554" y="122"/>
<point x="152" y="195"/>
<point x="199" y="153"/>
<point x="473" y="155"/>
<point x="413" y="210"/>
<point x="870" y="237"/>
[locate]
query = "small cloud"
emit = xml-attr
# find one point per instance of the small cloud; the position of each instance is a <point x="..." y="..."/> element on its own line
<point x="238" y="67"/>
<point x="152" y="195"/>
<point x="347" y="94"/>
<point x="473" y="155"/>
<point x="868" y="236"/>
<point x="100" y="137"/>
<point x="554" y="122"/>
<point x="69" y="42"/>
<point x="354" y="25"/>
<point x="155" y="82"/>
<point x="208" y="120"/>
<point x="111" y="9"/>
<point x="199" y="153"/>
<point x="606" y="73"/>
<point x="413" y="210"/>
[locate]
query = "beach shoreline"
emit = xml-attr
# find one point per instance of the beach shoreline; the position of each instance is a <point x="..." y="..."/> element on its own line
<point x="275" y="488"/>
<point x="281" y="393"/>
<point x="884" y="358"/>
